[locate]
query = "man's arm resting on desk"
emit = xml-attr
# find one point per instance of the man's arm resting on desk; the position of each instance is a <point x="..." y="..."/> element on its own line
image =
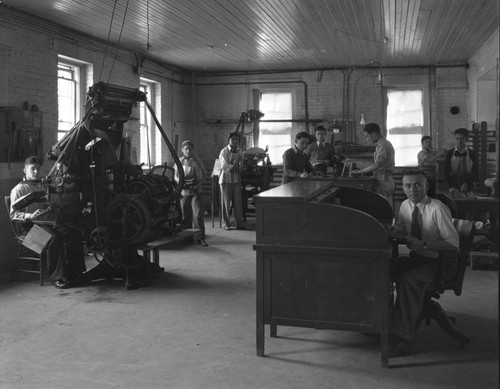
<point x="417" y="244"/>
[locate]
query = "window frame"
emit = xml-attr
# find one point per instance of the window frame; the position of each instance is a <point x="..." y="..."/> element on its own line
<point x="81" y="73"/>
<point x="410" y="83"/>
<point x="293" y="131"/>
<point x="152" y="90"/>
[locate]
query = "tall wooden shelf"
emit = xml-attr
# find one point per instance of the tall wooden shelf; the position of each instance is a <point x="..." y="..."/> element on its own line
<point x="20" y="134"/>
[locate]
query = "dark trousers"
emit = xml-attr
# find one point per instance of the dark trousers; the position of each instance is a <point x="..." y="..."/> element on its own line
<point x="413" y="276"/>
<point x="231" y="199"/>
<point x="192" y="213"/>
<point x="64" y="254"/>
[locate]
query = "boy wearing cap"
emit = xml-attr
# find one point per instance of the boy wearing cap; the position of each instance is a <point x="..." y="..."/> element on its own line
<point x="194" y="174"/>
<point x="231" y="162"/>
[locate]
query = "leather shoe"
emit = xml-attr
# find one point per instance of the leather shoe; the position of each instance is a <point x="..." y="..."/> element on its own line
<point x="398" y="348"/>
<point x="60" y="284"/>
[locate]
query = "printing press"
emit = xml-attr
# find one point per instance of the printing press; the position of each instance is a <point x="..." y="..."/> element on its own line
<point x="93" y="185"/>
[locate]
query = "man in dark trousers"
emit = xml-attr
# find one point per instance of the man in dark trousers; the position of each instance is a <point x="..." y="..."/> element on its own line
<point x="427" y="227"/>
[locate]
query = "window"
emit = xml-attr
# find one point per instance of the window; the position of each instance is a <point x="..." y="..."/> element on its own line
<point x="407" y="115"/>
<point x="276" y="135"/>
<point x="71" y="88"/>
<point x="67" y="89"/>
<point x="405" y="121"/>
<point x="150" y="139"/>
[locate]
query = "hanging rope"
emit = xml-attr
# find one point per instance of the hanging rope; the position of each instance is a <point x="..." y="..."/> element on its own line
<point x="119" y="39"/>
<point x="107" y="40"/>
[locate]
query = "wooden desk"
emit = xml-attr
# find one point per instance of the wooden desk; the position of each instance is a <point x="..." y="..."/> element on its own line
<point x="463" y="207"/>
<point x="321" y="264"/>
<point x="353" y="182"/>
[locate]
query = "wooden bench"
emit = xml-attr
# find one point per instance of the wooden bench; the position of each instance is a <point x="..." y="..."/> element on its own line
<point x="166" y="242"/>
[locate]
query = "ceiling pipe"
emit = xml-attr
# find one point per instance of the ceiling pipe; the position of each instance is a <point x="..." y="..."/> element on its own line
<point x="263" y="72"/>
<point x="306" y="90"/>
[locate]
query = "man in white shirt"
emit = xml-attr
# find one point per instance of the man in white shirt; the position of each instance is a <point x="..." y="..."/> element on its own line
<point x="231" y="162"/>
<point x="383" y="161"/>
<point x="427" y="227"/>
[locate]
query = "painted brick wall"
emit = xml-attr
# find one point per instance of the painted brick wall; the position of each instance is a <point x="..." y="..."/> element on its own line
<point x="484" y="60"/>
<point x="452" y="89"/>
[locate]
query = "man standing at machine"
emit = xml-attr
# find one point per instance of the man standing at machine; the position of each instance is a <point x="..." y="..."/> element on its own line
<point x="194" y="174"/>
<point x="64" y="252"/>
<point x="383" y="162"/>
<point x="321" y="153"/>
<point x="231" y="163"/>
<point x="296" y="164"/>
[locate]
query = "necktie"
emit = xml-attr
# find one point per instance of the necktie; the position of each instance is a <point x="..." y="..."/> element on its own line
<point x="415" y="223"/>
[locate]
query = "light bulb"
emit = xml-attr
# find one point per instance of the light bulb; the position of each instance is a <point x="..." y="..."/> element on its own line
<point x="362" y="119"/>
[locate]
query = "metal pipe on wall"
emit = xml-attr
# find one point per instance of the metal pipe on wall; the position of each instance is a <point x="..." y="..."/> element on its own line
<point x="306" y="91"/>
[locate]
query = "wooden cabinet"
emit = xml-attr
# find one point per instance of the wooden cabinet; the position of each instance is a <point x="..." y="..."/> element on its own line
<point x="20" y="134"/>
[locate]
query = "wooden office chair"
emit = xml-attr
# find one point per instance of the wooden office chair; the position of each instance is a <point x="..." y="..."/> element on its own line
<point x="451" y="277"/>
<point x="27" y="260"/>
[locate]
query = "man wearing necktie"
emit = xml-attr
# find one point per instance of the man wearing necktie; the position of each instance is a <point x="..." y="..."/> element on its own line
<point x="321" y="153"/>
<point x="427" y="227"/>
<point x="461" y="166"/>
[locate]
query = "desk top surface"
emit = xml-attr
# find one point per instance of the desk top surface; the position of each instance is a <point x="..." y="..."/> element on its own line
<point x="299" y="191"/>
<point x="469" y="197"/>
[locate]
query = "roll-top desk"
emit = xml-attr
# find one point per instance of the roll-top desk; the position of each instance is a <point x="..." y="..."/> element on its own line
<point x="323" y="259"/>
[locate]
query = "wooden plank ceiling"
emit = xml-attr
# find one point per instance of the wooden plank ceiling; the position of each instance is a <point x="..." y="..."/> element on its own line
<point x="273" y="35"/>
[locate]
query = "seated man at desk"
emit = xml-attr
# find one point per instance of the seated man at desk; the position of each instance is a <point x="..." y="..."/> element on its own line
<point x="64" y="252"/>
<point x="383" y="162"/>
<point x="296" y="164"/>
<point x="320" y="152"/>
<point x="461" y="167"/>
<point x="425" y="224"/>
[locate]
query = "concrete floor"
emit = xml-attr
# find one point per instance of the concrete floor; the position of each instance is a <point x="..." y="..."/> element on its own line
<point x="194" y="327"/>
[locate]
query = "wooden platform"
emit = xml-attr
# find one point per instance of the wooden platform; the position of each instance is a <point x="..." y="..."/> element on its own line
<point x="166" y="242"/>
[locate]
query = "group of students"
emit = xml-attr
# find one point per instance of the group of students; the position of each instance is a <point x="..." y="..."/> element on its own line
<point x="231" y="166"/>
<point x="304" y="159"/>
<point x="460" y="168"/>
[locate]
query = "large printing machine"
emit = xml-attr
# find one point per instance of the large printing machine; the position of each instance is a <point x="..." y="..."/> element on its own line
<point x="94" y="186"/>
